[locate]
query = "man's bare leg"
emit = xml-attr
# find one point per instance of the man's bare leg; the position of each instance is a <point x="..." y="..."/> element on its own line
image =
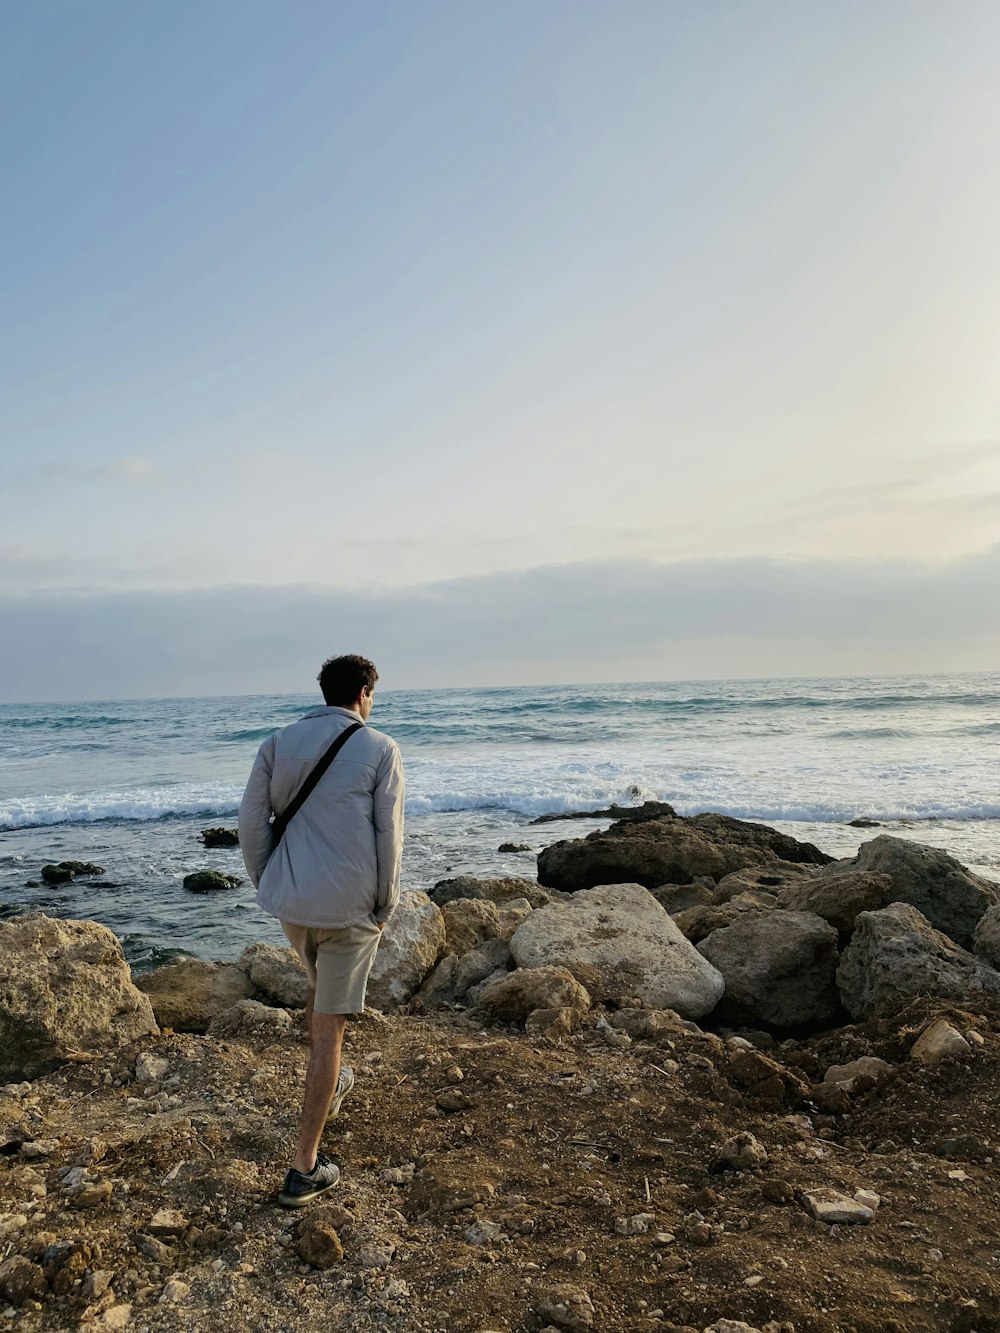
<point x="326" y="1035"/>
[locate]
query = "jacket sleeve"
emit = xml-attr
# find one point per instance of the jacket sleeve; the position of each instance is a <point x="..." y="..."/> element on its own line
<point x="256" y="842"/>
<point x="390" y="791"/>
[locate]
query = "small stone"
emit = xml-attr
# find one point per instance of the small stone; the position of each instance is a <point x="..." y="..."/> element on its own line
<point x="636" y="1225"/>
<point x="398" y="1175"/>
<point x="91" y="1196"/>
<point x="754" y="1280"/>
<point x="958" y="1175"/>
<point x="117" y="1317"/>
<point x="96" y="1283"/>
<point x="934" y="1256"/>
<point x="452" y="1100"/>
<point x="568" y="1308"/>
<point x="168" y="1222"/>
<point x="39" y="1148"/>
<point x="937" y="1042"/>
<point x="483" y="1233"/>
<point x="663" y="1238"/>
<point x="150" y="1068"/>
<point x="976" y="1038"/>
<point x="376" y="1256"/>
<point x="700" y="1233"/>
<point x="318" y="1244"/>
<point x="868" y="1198"/>
<point x="453" y="1074"/>
<point x="11" y="1222"/>
<point x="743" y="1152"/>
<point x="21" y="1280"/>
<point x="778" y="1191"/>
<point x="832" y="1208"/>
<point x="174" y="1292"/>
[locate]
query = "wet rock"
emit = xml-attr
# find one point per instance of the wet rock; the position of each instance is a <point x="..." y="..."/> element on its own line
<point x="277" y="973"/>
<point x="64" y="987"/>
<point x="188" y="993"/>
<point x="220" y="837"/>
<point x="210" y="881"/>
<point x="410" y="946"/>
<point x="468" y="923"/>
<point x="896" y="955"/>
<point x="835" y="1209"/>
<point x="317" y="1243"/>
<point x="937" y="1042"/>
<point x="779" y="968"/>
<point x="64" y="871"/>
<point x="250" y="1018"/>
<point x="513" y="996"/>
<point x="622" y="936"/>
<point x="669" y="850"/>
<point x="940" y="888"/>
<point x="513" y="847"/>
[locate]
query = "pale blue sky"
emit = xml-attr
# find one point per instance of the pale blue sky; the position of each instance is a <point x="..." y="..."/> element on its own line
<point x="371" y="296"/>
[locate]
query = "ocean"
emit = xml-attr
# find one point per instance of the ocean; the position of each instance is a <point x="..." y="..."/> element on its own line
<point x="130" y="784"/>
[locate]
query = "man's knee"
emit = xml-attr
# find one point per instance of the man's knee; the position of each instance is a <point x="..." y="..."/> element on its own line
<point x="329" y="1028"/>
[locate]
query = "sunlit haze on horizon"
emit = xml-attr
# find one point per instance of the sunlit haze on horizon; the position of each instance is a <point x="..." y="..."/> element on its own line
<point x="412" y="308"/>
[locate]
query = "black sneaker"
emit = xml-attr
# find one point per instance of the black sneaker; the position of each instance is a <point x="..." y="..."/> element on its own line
<point x="301" y="1187"/>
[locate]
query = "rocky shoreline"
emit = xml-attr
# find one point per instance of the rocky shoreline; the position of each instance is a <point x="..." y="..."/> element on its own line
<point x="696" y="1075"/>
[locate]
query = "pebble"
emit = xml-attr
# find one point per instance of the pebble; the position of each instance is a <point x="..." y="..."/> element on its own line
<point x="150" y="1068"/>
<point x="376" y="1256"/>
<point x="868" y="1198"/>
<point x="938" y="1041"/>
<point x="39" y="1148"/>
<point x="398" y="1175"/>
<point x="636" y="1225"/>
<point x="743" y="1152"/>
<point x="934" y="1256"/>
<point x="835" y="1209"/>
<point x="168" y="1222"/>
<point x="483" y="1233"/>
<point x="117" y="1317"/>
<point x="174" y="1292"/>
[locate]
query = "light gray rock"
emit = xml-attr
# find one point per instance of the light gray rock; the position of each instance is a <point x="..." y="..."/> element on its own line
<point x="277" y="973"/>
<point x="937" y="1042"/>
<point x="409" y="949"/>
<point x="836" y="1209"/>
<point x="951" y="898"/>
<point x="623" y="938"/>
<point x="779" y="968"/>
<point x="866" y="1066"/>
<point x="187" y="993"/>
<point x="65" y="987"/>
<point x="986" y="940"/>
<point x="454" y="977"/>
<point x="895" y="955"/>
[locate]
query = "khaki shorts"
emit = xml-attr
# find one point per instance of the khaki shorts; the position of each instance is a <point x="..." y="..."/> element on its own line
<point x="337" y="963"/>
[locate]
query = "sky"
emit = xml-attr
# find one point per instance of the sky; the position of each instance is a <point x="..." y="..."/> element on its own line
<point x="513" y="342"/>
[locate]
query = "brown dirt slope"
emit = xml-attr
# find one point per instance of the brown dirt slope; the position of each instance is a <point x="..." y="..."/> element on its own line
<point x="486" y="1173"/>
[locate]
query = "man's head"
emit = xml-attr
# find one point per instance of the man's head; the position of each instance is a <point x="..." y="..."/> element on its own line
<point x="349" y="682"/>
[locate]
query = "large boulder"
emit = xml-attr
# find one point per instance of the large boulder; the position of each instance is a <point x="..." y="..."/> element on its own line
<point x="697" y="923"/>
<point x="669" y="850"/>
<point x="65" y="987"/>
<point x="188" y="993"/>
<point x="408" y="950"/>
<point x="277" y="973"/>
<point x="838" y="898"/>
<point x="779" y="968"/>
<point x="250" y="1018"/>
<point x="771" y="877"/>
<point x="620" y="937"/>
<point x="500" y="891"/>
<point x="951" y="898"/>
<point x="454" y="977"/>
<point x="895" y="955"/>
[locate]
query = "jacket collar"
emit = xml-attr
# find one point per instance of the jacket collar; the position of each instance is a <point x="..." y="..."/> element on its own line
<point x="329" y="709"/>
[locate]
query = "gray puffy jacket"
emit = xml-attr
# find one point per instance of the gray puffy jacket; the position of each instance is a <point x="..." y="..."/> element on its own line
<point x="338" y="862"/>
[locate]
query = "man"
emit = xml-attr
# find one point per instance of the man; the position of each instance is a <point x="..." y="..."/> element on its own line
<point x="332" y="880"/>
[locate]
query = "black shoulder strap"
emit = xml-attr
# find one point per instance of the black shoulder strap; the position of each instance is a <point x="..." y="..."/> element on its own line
<point x="280" y="822"/>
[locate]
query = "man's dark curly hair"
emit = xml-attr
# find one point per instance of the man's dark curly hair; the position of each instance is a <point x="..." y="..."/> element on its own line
<point x="343" y="678"/>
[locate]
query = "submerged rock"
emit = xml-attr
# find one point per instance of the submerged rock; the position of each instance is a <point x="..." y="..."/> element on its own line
<point x="220" y="837"/>
<point x="210" y="881"/>
<point x="64" y="871"/>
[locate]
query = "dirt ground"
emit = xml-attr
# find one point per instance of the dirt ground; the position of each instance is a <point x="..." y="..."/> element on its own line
<point x="493" y="1181"/>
